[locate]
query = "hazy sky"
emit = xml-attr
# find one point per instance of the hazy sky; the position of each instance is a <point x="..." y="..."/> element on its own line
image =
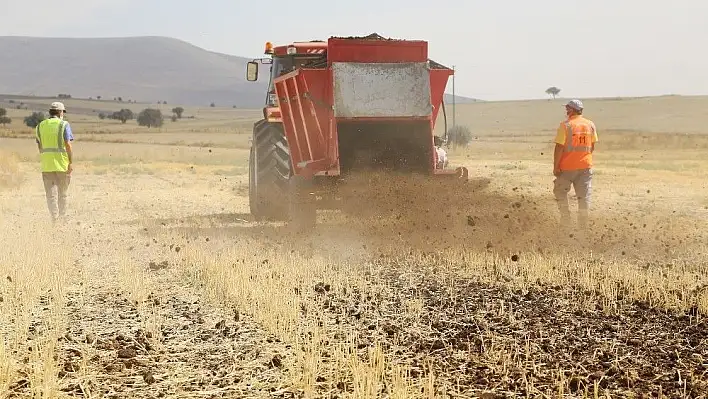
<point x="501" y="49"/>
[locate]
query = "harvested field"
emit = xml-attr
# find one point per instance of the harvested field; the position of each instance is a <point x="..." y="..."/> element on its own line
<point x="161" y="285"/>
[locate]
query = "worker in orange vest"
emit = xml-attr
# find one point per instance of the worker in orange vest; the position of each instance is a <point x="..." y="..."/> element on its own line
<point x="572" y="162"/>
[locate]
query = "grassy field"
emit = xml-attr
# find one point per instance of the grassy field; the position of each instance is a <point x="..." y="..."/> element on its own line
<point x="161" y="285"/>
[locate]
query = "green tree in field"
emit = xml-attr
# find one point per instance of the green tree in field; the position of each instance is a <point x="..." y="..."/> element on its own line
<point x="34" y="119"/>
<point x="178" y="111"/>
<point x="123" y="115"/>
<point x="4" y="120"/>
<point x="150" y="117"/>
<point x="553" y="91"/>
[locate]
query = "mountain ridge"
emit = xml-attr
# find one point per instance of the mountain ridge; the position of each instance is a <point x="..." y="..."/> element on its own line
<point x="140" y="68"/>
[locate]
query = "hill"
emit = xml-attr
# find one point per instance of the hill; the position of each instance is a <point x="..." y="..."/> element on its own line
<point x="145" y="69"/>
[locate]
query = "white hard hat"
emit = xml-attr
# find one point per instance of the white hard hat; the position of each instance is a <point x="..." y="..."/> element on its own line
<point x="575" y="104"/>
<point x="57" y="106"/>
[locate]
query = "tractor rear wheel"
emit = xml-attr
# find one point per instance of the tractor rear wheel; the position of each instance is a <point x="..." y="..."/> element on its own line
<point x="269" y="172"/>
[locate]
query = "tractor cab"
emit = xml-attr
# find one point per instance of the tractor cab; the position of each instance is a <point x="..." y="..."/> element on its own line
<point x="285" y="59"/>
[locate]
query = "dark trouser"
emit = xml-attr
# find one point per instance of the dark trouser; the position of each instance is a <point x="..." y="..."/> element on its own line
<point x="581" y="180"/>
<point x="56" y="185"/>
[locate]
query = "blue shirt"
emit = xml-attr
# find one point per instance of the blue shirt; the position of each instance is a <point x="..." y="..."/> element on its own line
<point x="68" y="134"/>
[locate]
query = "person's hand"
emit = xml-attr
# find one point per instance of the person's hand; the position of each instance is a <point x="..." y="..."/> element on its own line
<point x="71" y="169"/>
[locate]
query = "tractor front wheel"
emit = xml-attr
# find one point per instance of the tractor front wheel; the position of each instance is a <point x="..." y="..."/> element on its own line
<point x="269" y="172"/>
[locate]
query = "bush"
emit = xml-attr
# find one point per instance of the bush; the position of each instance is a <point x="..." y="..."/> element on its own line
<point x="34" y="119"/>
<point x="123" y="115"/>
<point x="4" y="120"/>
<point x="150" y="117"/>
<point x="459" y="136"/>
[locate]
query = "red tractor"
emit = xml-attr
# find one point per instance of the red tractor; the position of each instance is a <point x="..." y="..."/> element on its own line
<point x="337" y="107"/>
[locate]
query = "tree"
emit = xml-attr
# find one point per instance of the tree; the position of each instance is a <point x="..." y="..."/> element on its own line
<point x="4" y="120"/>
<point x="101" y="116"/>
<point x="34" y="119"/>
<point x="150" y="117"/>
<point x="553" y="91"/>
<point x="212" y="105"/>
<point x="99" y="98"/>
<point x="3" y="112"/>
<point x="178" y="111"/>
<point x="123" y="115"/>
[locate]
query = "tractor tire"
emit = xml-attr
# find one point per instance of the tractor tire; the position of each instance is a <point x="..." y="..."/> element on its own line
<point x="269" y="172"/>
<point x="302" y="205"/>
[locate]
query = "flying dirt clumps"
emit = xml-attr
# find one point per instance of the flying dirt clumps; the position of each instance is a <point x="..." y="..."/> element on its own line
<point x="445" y="213"/>
<point x="154" y="266"/>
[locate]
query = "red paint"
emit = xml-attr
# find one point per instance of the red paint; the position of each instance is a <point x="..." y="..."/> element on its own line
<point x="305" y="98"/>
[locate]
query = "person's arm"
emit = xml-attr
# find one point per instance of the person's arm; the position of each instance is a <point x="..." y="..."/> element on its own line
<point x="36" y="135"/>
<point x="70" y="152"/>
<point x="558" y="151"/>
<point x="594" y="138"/>
<point x="68" y="138"/>
<point x="557" y="159"/>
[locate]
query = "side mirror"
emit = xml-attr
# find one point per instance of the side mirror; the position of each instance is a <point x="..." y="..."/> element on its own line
<point x="252" y="71"/>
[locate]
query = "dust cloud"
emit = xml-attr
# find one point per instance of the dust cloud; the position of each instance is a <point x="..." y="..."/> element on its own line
<point x="387" y="213"/>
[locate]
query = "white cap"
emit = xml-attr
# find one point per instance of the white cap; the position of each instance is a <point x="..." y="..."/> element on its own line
<point x="57" y="106"/>
<point x="575" y="104"/>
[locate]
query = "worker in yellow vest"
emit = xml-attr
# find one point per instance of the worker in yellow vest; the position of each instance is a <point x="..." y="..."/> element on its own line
<point x="572" y="162"/>
<point x="54" y="137"/>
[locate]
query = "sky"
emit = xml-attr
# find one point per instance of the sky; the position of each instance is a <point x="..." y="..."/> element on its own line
<point x="501" y="50"/>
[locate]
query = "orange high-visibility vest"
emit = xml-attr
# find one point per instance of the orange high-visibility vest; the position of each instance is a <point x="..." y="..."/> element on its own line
<point x="580" y="134"/>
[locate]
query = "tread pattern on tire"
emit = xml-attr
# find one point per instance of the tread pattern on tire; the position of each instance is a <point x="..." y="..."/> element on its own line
<point x="273" y="171"/>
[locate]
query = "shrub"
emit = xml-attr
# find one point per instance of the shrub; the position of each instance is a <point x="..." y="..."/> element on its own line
<point x="34" y="119"/>
<point x="459" y="136"/>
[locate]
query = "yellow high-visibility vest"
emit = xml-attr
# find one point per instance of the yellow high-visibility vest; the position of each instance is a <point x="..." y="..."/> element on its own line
<point x="50" y="133"/>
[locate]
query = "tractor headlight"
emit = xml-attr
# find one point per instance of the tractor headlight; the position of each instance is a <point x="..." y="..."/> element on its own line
<point x="272" y="98"/>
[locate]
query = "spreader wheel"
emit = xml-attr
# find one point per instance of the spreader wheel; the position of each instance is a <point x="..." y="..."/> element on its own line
<point x="269" y="172"/>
